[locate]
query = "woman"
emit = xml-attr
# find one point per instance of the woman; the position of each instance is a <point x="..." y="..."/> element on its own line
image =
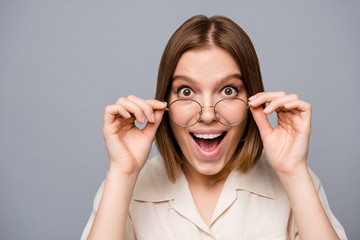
<point x="211" y="180"/>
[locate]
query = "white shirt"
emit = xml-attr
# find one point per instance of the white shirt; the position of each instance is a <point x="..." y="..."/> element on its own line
<point x="251" y="206"/>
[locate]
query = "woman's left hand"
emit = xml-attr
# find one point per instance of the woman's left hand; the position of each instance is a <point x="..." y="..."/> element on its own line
<point x="286" y="146"/>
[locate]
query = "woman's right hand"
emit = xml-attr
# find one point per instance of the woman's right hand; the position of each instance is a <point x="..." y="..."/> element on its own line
<point x="128" y="147"/>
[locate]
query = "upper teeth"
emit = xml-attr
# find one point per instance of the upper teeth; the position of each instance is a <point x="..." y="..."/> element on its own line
<point x="208" y="136"/>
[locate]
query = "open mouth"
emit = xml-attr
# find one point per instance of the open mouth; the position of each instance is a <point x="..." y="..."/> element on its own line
<point x="208" y="142"/>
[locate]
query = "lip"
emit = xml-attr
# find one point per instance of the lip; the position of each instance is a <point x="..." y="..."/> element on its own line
<point x="204" y="154"/>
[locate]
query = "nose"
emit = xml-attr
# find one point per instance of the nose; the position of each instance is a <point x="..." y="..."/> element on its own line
<point x="208" y="114"/>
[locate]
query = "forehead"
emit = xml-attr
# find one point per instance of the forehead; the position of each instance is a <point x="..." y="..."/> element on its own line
<point x="209" y="63"/>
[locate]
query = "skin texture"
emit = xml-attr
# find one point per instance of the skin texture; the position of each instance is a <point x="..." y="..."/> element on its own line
<point x="207" y="74"/>
<point x="286" y="145"/>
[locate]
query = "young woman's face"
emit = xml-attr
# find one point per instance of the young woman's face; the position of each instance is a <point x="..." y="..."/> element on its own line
<point x="207" y="76"/>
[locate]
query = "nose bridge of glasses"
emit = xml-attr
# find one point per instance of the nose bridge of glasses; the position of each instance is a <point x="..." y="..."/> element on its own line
<point x="207" y="113"/>
<point x="207" y="107"/>
<point x="207" y="100"/>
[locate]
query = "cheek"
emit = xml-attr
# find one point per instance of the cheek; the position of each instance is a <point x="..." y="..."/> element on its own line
<point x="238" y="132"/>
<point x="179" y="134"/>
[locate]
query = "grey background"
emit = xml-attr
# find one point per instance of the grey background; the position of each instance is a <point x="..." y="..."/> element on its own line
<point x="62" y="62"/>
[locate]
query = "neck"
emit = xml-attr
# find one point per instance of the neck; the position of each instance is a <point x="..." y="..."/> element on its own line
<point x="209" y="181"/>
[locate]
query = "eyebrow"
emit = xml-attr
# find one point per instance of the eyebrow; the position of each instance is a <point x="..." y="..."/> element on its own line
<point x="219" y="82"/>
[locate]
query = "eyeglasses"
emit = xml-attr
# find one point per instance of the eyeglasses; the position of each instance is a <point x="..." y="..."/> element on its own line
<point x="187" y="112"/>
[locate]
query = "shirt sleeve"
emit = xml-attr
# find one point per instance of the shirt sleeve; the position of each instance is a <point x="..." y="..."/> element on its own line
<point x="129" y="230"/>
<point x="334" y="222"/>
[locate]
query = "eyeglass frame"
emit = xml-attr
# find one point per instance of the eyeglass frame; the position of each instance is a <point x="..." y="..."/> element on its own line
<point x="167" y="109"/>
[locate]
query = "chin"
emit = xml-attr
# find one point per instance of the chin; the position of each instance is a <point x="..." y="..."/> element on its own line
<point x="209" y="168"/>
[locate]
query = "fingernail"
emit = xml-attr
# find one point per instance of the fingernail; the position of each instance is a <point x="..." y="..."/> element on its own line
<point x="152" y="117"/>
<point x="252" y="98"/>
<point x="253" y="101"/>
<point x="267" y="110"/>
<point x="143" y="120"/>
<point x="126" y="114"/>
<point x="289" y="105"/>
<point x="162" y="104"/>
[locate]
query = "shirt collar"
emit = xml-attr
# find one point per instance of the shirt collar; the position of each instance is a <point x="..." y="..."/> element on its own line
<point x="258" y="180"/>
<point x="153" y="184"/>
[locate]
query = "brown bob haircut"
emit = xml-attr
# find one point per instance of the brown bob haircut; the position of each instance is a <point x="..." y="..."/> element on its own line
<point x="201" y="32"/>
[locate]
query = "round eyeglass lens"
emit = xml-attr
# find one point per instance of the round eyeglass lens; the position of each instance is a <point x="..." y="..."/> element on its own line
<point x="231" y="112"/>
<point x="184" y="112"/>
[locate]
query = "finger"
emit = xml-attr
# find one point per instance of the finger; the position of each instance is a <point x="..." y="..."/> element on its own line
<point x="156" y="104"/>
<point x="278" y="103"/>
<point x="132" y="108"/>
<point x="145" y="106"/>
<point x="111" y="111"/>
<point x="151" y="128"/>
<point x="264" y="97"/>
<point x="299" y="105"/>
<point x="261" y="121"/>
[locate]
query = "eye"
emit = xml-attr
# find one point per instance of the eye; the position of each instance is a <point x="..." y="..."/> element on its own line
<point x="229" y="91"/>
<point x="185" y="92"/>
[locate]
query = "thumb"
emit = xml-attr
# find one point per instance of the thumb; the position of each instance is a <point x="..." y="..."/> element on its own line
<point x="262" y="121"/>
<point x="151" y="128"/>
